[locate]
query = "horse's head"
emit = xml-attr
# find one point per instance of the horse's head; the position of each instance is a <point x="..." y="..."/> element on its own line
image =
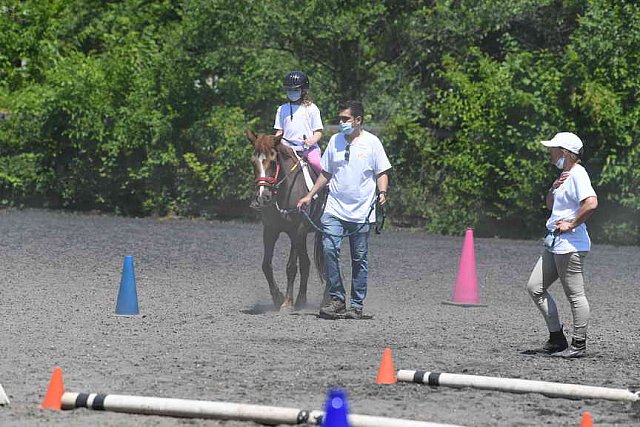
<point x="266" y="167"/>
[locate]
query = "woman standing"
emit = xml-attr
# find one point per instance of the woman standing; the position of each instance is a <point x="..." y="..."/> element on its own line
<point x="571" y="200"/>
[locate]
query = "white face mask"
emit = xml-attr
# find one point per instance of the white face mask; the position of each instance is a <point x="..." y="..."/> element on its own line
<point x="294" y="95"/>
<point x="560" y="163"/>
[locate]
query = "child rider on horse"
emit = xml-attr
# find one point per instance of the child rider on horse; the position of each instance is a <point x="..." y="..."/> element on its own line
<point x="298" y="121"/>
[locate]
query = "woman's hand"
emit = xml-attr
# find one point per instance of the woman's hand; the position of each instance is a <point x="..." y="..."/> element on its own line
<point x="564" y="226"/>
<point x="558" y="182"/>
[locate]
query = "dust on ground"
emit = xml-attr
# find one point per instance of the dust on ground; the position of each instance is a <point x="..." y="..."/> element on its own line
<point x="207" y="331"/>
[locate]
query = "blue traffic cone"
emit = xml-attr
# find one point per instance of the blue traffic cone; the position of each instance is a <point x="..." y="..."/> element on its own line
<point x="127" y="304"/>
<point x="335" y="414"/>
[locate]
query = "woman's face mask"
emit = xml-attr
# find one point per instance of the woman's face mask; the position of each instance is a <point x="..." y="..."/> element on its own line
<point x="294" y="95"/>
<point x="560" y="163"/>
<point x="346" y="128"/>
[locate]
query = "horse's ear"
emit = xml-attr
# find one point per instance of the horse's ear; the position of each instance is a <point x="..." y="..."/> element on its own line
<point x="277" y="140"/>
<point x="251" y="136"/>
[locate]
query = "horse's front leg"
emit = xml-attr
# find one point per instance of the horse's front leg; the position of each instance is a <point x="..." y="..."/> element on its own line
<point x="269" y="239"/>
<point x="305" y="266"/>
<point x="292" y="270"/>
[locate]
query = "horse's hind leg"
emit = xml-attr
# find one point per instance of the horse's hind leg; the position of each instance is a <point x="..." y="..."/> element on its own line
<point x="269" y="240"/>
<point x="292" y="270"/>
<point x="305" y="266"/>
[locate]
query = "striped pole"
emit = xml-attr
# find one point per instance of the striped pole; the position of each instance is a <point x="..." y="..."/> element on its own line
<point x="270" y="415"/>
<point x="514" y="385"/>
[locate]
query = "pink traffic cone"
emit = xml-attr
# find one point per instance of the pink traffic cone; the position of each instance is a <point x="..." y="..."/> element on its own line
<point x="466" y="290"/>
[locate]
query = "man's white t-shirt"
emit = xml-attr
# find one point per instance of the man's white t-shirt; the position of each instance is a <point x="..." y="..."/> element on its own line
<point x="352" y="188"/>
<point x="296" y="122"/>
<point x="566" y="204"/>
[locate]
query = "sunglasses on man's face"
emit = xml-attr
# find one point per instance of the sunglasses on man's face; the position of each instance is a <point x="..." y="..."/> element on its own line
<point x="344" y="119"/>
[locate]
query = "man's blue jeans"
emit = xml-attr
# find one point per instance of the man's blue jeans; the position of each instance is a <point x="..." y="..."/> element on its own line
<point x="359" y="245"/>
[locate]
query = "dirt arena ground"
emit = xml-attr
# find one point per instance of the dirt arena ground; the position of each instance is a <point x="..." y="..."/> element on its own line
<point x="206" y="330"/>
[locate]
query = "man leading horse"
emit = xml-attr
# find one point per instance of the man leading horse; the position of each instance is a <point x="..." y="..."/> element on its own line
<point x="355" y="165"/>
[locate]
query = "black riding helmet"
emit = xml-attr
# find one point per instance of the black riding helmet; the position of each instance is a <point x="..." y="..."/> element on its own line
<point x="295" y="80"/>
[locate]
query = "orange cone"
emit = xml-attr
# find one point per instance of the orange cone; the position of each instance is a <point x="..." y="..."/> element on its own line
<point x="386" y="372"/>
<point x="587" y="420"/>
<point x="53" y="397"/>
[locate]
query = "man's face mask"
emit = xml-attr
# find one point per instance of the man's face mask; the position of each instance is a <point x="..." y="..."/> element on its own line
<point x="346" y="128"/>
<point x="294" y="95"/>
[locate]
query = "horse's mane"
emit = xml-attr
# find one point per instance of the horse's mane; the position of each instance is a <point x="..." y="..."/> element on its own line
<point x="286" y="152"/>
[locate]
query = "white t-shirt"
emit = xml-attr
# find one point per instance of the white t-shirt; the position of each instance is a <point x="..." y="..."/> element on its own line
<point x="352" y="187"/>
<point x="296" y="122"/>
<point x="566" y="204"/>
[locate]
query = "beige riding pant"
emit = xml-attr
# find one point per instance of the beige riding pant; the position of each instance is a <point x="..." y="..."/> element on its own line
<point x="567" y="268"/>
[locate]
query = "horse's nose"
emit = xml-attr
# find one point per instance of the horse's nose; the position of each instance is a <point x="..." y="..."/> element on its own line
<point x="255" y="204"/>
<point x="261" y="201"/>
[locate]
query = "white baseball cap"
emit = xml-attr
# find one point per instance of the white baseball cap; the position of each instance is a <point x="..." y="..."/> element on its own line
<point x="566" y="140"/>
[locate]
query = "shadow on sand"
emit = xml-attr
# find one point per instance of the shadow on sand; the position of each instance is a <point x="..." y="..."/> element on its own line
<point x="309" y="310"/>
<point x="259" y="309"/>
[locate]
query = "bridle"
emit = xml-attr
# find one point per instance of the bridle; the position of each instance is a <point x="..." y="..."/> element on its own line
<point x="272" y="182"/>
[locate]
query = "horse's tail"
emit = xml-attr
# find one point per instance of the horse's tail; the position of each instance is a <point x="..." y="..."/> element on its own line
<point x="318" y="256"/>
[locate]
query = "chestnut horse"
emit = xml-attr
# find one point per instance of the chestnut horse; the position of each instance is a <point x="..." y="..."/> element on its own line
<point x="280" y="184"/>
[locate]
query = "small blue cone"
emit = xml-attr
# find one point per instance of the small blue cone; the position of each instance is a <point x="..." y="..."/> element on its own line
<point x="335" y="414"/>
<point x="127" y="304"/>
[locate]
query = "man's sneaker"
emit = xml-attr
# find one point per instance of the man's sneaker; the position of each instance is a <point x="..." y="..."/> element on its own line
<point x="333" y="310"/>
<point x="557" y="342"/>
<point x="354" y="313"/>
<point x="578" y="348"/>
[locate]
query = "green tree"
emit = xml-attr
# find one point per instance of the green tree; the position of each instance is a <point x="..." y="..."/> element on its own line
<point x="140" y="107"/>
<point x="602" y="60"/>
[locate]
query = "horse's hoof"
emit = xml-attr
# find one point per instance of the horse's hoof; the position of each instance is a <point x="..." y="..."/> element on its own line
<point x="278" y="301"/>
<point x="300" y="304"/>
<point x="286" y="307"/>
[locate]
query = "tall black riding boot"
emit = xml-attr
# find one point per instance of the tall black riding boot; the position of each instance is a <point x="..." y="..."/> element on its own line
<point x="557" y="342"/>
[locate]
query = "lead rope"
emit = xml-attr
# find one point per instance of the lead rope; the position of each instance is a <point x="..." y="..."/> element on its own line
<point x="304" y="213"/>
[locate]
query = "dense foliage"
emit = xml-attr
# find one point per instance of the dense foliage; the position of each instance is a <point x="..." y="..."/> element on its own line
<point x="139" y="107"/>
